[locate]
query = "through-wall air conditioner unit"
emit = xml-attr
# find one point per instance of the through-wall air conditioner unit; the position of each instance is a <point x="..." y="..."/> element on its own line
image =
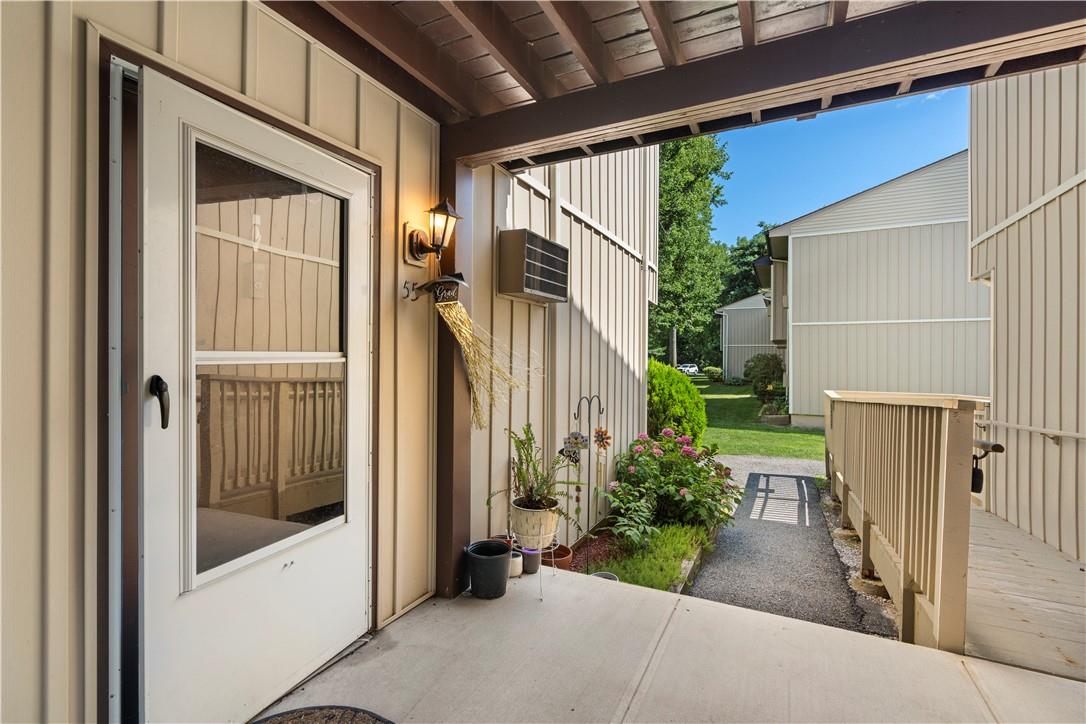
<point x="532" y="268"/>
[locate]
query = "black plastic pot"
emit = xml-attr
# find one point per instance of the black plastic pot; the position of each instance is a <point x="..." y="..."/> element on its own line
<point x="488" y="568"/>
<point x="532" y="560"/>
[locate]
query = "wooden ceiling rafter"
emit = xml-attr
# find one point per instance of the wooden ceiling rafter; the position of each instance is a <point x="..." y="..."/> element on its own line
<point x="746" y="23"/>
<point x="490" y="26"/>
<point x="663" y="32"/>
<point x="380" y="25"/>
<point x="573" y="23"/>
<point x="838" y="12"/>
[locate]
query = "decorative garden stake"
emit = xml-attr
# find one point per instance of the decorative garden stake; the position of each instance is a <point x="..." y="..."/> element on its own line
<point x="600" y="472"/>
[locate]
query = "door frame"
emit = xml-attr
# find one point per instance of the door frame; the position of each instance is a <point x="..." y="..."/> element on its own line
<point x="101" y="50"/>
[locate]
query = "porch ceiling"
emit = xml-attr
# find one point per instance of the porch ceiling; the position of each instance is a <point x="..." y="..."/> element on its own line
<point x="530" y="82"/>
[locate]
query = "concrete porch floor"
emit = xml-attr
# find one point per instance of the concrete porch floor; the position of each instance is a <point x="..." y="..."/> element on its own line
<point x="597" y="651"/>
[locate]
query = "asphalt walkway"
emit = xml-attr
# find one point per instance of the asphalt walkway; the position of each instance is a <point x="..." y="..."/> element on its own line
<point x="778" y="556"/>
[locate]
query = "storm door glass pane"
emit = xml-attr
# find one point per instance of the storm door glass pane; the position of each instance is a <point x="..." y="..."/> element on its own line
<point x="270" y="368"/>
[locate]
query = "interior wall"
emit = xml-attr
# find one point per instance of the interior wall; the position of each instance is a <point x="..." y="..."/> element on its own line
<point x="1028" y="193"/>
<point x="48" y="305"/>
<point x="604" y="210"/>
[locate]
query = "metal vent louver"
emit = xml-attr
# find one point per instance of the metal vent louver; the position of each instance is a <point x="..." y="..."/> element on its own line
<point x="532" y="268"/>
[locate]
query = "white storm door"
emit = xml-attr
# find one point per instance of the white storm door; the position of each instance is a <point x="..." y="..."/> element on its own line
<point x="255" y="301"/>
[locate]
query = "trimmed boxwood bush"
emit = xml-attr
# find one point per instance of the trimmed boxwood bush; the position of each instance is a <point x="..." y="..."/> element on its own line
<point x="674" y="402"/>
<point x="715" y="374"/>
<point x="766" y="373"/>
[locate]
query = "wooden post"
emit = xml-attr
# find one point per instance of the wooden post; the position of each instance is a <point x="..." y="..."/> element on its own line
<point x="952" y="531"/>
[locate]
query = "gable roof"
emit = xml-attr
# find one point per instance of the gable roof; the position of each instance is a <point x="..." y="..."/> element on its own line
<point x="754" y="301"/>
<point x="937" y="192"/>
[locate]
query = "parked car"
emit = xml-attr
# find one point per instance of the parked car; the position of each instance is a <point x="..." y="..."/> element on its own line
<point x="688" y="369"/>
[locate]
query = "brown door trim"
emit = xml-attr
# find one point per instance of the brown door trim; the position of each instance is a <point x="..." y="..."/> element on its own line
<point x="107" y="50"/>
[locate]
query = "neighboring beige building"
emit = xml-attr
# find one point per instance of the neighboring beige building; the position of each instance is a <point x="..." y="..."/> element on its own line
<point x="744" y="332"/>
<point x="1028" y="243"/>
<point x="876" y="294"/>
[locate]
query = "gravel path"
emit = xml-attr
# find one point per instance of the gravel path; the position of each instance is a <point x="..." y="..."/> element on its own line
<point x="778" y="556"/>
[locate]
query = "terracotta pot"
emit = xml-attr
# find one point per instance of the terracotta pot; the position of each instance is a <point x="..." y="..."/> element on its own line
<point x="561" y="556"/>
<point x="533" y="528"/>
<point x="506" y="539"/>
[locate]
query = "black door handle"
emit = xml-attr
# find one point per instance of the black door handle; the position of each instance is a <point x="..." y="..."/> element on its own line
<point x="158" y="387"/>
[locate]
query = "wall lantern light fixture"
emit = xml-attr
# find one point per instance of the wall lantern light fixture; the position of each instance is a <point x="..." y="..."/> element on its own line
<point x="443" y="218"/>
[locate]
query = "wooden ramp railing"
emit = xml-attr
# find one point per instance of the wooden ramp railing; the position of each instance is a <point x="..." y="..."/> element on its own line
<point x="900" y="465"/>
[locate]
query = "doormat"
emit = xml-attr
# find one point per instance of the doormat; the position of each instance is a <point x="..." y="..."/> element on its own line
<point x="325" y="715"/>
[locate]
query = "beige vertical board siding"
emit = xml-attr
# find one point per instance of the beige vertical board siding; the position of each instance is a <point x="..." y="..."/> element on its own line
<point x="603" y="210"/>
<point x="932" y="194"/>
<point x="901" y="317"/>
<point x="746" y="333"/>
<point x="48" y="141"/>
<point x="1028" y="201"/>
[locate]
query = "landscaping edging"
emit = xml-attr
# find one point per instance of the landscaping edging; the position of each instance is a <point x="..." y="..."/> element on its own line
<point x="692" y="566"/>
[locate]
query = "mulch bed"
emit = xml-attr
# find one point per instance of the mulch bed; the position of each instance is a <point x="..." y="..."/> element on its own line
<point x="593" y="550"/>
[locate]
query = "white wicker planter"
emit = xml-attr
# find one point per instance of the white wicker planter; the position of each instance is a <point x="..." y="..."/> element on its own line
<point x="533" y="529"/>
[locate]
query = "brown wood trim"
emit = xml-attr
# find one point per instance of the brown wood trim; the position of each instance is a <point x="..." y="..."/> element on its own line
<point x="708" y="89"/>
<point x="108" y="48"/>
<point x="330" y="32"/>
<point x="453" y="495"/>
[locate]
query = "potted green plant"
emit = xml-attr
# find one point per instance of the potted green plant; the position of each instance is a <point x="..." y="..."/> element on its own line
<point x="535" y="491"/>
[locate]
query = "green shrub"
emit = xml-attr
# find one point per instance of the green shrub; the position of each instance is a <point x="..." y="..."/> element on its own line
<point x="766" y="373"/>
<point x="665" y="480"/>
<point x="715" y="374"/>
<point x="659" y="563"/>
<point x="674" y="402"/>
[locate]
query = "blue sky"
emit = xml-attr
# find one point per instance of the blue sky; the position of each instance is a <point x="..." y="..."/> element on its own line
<point x="787" y="169"/>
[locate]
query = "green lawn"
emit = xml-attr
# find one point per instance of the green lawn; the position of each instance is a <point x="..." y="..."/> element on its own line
<point x="734" y="427"/>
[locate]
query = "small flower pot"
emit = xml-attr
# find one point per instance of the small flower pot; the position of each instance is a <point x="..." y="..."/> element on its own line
<point x="504" y="538"/>
<point x="561" y="557"/>
<point x="605" y="575"/>
<point x="531" y="561"/>
<point x="488" y="568"/>
<point x="516" y="564"/>
<point x="533" y="527"/>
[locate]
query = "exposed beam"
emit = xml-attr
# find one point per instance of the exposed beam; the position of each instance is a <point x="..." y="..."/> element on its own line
<point x="915" y="41"/>
<point x="992" y="68"/>
<point x="838" y="12"/>
<point x="332" y="33"/>
<point x="746" y="23"/>
<point x="663" y="32"/>
<point x="486" y="22"/>
<point x="394" y="35"/>
<point x="576" y="27"/>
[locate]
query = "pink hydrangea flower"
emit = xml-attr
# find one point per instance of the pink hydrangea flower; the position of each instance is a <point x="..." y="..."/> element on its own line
<point x="612" y="486"/>
<point x="638" y="449"/>
<point x="682" y="492"/>
<point x="657" y="452"/>
<point x="685" y="439"/>
<point x="642" y="436"/>
<point x="631" y="469"/>
<point x="689" y="451"/>
<point x="667" y="432"/>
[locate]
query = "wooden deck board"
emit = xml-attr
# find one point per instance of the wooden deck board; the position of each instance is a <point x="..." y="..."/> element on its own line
<point x="1026" y="603"/>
